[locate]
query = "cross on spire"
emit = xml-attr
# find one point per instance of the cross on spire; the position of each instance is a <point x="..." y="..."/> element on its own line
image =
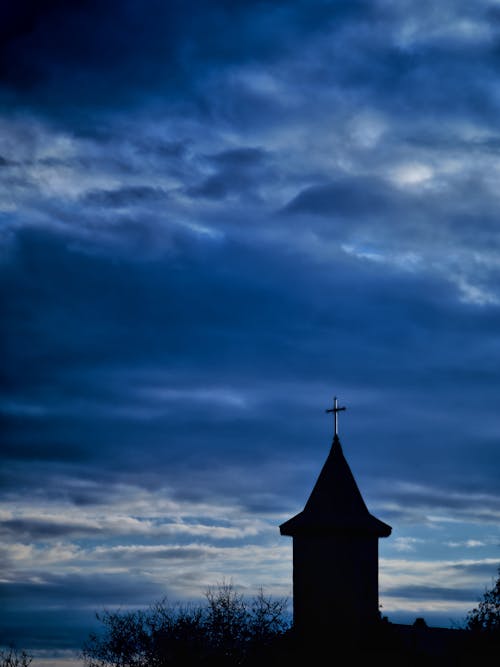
<point x="335" y="410"/>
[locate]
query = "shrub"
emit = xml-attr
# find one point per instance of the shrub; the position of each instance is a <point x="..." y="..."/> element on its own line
<point x="228" y="630"/>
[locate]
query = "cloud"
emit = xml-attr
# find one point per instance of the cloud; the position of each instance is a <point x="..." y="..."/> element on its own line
<point x="212" y="221"/>
<point x="350" y="198"/>
<point x="97" y="590"/>
<point x="125" y="197"/>
<point x="442" y="505"/>
<point x="431" y="593"/>
<point x="405" y="544"/>
<point x="172" y="45"/>
<point x="54" y="526"/>
<point x="237" y="172"/>
<point x="35" y="528"/>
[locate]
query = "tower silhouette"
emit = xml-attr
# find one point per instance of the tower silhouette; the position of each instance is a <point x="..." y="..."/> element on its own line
<point x="335" y="555"/>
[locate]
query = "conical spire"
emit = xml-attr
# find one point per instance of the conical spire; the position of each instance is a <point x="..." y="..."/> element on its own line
<point x="335" y="504"/>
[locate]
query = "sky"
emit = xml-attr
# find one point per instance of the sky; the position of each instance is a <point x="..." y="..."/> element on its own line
<point x="215" y="217"/>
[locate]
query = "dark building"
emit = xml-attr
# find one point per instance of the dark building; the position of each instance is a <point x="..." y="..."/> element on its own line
<point x="335" y="554"/>
<point x="335" y="578"/>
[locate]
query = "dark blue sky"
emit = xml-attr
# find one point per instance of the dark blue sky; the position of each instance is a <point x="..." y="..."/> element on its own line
<point x="214" y="217"/>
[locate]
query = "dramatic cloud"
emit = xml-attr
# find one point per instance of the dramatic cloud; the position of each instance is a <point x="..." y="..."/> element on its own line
<point x="214" y="217"/>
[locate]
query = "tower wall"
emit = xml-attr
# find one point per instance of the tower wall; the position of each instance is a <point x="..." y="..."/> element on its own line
<point x="335" y="584"/>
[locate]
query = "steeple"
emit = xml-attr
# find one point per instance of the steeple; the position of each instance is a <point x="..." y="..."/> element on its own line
<point x="335" y="554"/>
<point x="335" y="504"/>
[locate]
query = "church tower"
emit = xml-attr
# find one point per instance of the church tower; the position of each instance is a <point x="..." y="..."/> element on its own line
<point x="335" y="555"/>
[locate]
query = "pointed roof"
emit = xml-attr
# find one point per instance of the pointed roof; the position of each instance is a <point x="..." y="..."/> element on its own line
<point x="335" y="504"/>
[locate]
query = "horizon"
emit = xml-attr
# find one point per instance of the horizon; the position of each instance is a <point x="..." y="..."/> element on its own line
<point x="215" y="218"/>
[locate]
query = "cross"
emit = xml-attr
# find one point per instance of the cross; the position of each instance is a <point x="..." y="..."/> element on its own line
<point x="335" y="409"/>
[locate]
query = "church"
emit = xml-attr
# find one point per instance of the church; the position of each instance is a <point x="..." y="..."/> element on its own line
<point x="335" y="572"/>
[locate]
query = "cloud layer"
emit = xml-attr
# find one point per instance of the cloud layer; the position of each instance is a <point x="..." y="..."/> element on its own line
<point x="213" y="218"/>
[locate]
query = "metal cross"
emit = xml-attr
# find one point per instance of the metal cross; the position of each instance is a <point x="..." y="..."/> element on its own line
<point x="335" y="410"/>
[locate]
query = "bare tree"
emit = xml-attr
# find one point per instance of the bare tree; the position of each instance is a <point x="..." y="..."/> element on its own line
<point x="486" y="616"/>
<point x="11" y="657"/>
<point x="226" y="631"/>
